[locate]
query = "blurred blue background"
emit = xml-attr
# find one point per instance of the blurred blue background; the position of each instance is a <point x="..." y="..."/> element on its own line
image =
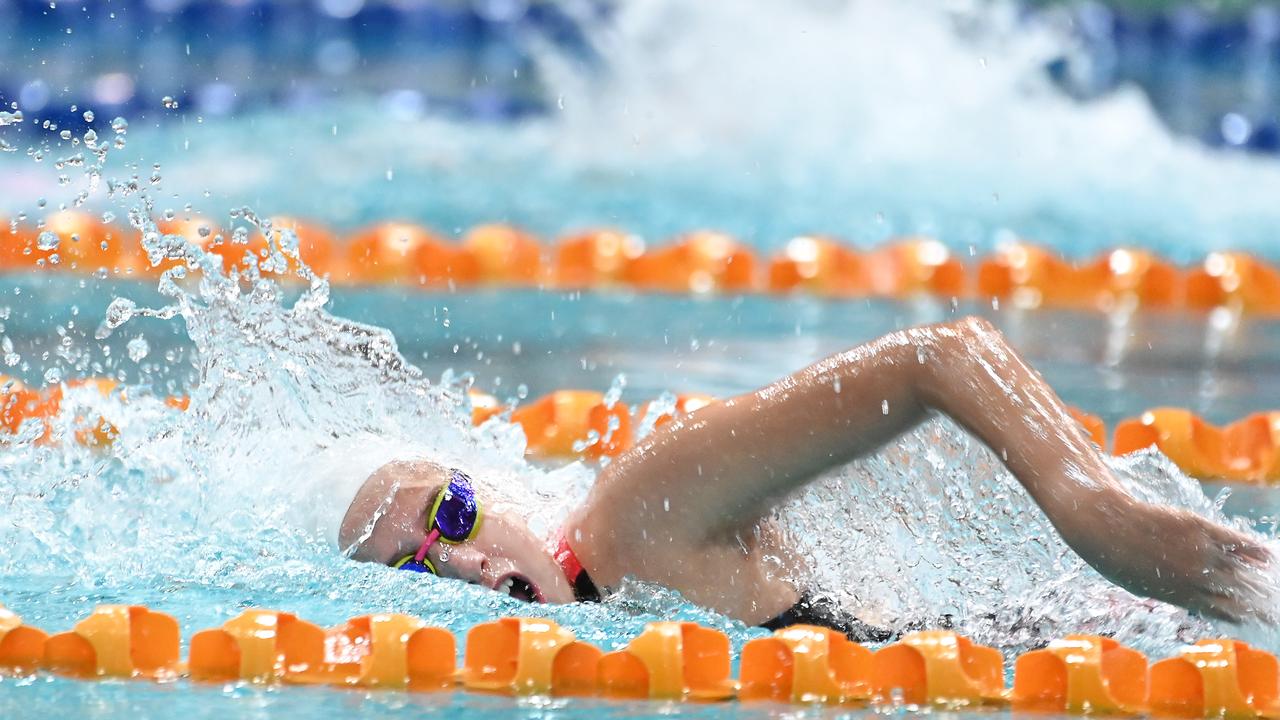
<point x="1211" y="70"/>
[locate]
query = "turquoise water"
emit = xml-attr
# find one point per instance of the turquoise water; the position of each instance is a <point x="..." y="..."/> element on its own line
<point x="194" y="514"/>
<point x="699" y="121"/>
<point x="109" y="700"/>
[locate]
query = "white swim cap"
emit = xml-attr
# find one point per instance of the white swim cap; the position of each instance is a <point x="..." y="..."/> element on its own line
<point x="331" y="478"/>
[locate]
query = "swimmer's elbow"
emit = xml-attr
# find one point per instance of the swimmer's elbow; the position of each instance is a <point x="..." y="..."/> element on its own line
<point x="978" y="330"/>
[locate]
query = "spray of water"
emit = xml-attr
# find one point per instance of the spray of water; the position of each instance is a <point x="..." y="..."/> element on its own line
<point x="864" y="118"/>
<point x="937" y="507"/>
<point x="875" y="118"/>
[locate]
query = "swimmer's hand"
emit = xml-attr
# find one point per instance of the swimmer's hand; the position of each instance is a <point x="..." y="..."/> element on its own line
<point x="1181" y="558"/>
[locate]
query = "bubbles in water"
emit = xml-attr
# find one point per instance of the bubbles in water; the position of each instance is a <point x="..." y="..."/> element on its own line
<point x="169" y="103"/>
<point x="120" y="126"/>
<point x="88" y="116"/>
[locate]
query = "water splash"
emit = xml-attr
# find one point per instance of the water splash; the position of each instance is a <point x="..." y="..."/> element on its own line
<point x="871" y="118"/>
<point x="864" y="119"/>
<point x="934" y="527"/>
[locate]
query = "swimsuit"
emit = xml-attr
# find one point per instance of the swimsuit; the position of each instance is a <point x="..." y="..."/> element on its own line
<point x="584" y="590"/>
<point x="808" y="611"/>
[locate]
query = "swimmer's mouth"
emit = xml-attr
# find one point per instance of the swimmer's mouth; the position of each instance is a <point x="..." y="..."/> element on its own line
<point x="519" y="587"/>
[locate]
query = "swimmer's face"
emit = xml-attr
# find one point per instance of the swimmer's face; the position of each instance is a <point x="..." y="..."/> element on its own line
<point x="388" y="519"/>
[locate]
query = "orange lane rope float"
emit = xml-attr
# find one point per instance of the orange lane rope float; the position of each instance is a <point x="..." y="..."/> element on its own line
<point x="1081" y="674"/>
<point x="21" y="646"/>
<point x="670" y="661"/>
<point x="667" y="661"/>
<point x="938" y="667"/>
<point x="1215" y="678"/>
<point x="528" y="656"/>
<point x="120" y="641"/>
<point x="1247" y="450"/>
<point x="805" y="664"/>
<point x="568" y="424"/>
<point x="1019" y="273"/>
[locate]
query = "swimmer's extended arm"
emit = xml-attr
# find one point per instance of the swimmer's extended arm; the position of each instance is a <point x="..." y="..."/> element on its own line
<point x="710" y="477"/>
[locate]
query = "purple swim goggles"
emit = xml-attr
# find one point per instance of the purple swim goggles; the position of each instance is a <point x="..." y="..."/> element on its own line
<point x="454" y="518"/>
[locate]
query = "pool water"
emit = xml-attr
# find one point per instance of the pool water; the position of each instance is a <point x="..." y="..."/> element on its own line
<point x="192" y="513"/>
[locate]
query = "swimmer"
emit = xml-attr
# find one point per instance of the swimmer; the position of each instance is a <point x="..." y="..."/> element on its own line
<point x="689" y="506"/>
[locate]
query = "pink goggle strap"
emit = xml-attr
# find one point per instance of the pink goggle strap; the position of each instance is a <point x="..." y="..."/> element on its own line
<point x="426" y="545"/>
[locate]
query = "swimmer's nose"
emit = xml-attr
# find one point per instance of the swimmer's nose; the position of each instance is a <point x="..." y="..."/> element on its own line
<point x="465" y="563"/>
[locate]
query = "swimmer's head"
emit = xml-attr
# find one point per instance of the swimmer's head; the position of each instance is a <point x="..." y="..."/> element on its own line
<point x="387" y="520"/>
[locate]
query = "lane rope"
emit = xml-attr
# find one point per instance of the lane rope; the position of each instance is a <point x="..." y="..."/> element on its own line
<point x="585" y="424"/>
<point x="1020" y="274"/>
<point x="667" y="661"/>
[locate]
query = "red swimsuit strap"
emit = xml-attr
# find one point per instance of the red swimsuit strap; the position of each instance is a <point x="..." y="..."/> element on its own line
<point x="584" y="590"/>
<point x="568" y="560"/>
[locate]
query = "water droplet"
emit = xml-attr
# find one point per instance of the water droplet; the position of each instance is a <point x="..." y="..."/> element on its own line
<point x="884" y="407"/>
<point x="118" y="313"/>
<point x="120" y="126"/>
<point x="11" y="358"/>
<point x="48" y="241"/>
<point x="615" y="390"/>
<point x="88" y="116"/>
<point x="138" y="348"/>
